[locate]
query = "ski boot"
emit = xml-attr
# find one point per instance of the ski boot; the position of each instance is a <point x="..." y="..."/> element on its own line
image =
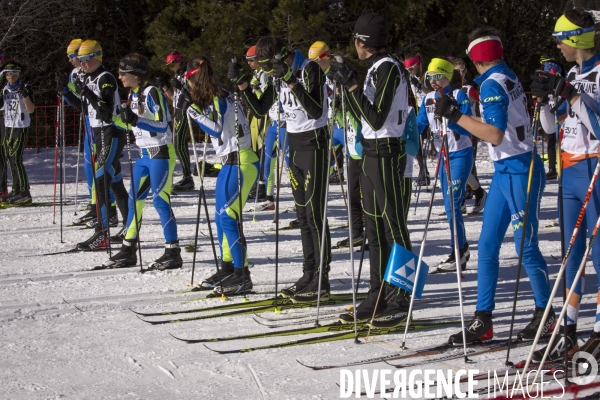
<point x="558" y="347"/>
<point x="98" y="241"/>
<point x="171" y="259"/>
<point x="449" y="265"/>
<point x="368" y="307"/>
<point x="300" y="284"/>
<point x="311" y="292"/>
<point x="480" y="198"/>
<point x="21" y="198"/>
<point x="531" y="329"/>
<point x="224" y="272"/>
<point x="481" y="328"/>
<point x="126" y="257"/>
<point x="237" y="283"/>
<point x="184" y="185"/>
<point x="396" y="310"/>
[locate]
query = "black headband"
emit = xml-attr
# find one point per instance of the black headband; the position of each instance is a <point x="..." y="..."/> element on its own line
<point x="132" y="67"/>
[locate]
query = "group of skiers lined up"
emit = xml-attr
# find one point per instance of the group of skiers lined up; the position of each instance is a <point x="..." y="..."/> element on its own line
<point x="294" y="104"/>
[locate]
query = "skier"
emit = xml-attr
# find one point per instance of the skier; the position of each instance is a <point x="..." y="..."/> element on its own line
<point x="99" y="100"/>
<point x="413" y="62"/>
<point x="66" y="83"/>
<point x="176" y="63"/>
<point x="473" y="186"/>
<point x="18" y="104"/>
<point x="303" y="97"/>
<point x="553" y="67"/>
<point x="321" y="54"/>
<point x="382" y="106"/>
<point x="579" y="96"/>
<point x="505" y="125"/>
<point x="216" y="112"/>
<point x="447" y="82"/>
<point x="146" y="116"/>
<point x="258" y="126"/>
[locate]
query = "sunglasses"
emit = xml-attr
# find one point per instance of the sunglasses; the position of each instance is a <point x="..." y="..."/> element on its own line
<point x="72" y="56"/>
<point x="13" y="73"/>
<point x="435" y="77"/>
<point x="87" y="57"/>
<point x="462" y="70"/>
<point x="253" y="58"/>
<point x="266" y="65"/>
<point x="123" y="73"/>
<point x="362" y="38"/>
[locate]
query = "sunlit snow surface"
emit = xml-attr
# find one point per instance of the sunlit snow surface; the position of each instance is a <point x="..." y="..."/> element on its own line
<point x="67" y="332"/>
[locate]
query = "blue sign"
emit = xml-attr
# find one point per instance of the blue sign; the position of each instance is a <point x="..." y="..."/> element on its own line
<point x="401" y="270"/>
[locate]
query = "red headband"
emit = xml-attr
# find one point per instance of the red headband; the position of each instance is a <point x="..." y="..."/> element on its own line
<point x="178" y="58"/>
<point x="411" y="62"/>
<point x="484" y="49"/>
<point x="191" y="73"/>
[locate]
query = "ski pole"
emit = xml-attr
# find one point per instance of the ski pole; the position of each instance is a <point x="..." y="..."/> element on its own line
<point x="239" y="185"/>
<point x="561" y="223"/>
<point x="362" y="257"/>
<point x="107" y="205"/>
<point x="446" y="155"/>
<point x="202" y="198"/>
<point x="563" y="265"/>
<point x="524" y="233"/>
<point x="568" y="299"/>
<point x="348" y="208"/>
<point x="262" y="153"/>
<point x="280" y="152"/>
<point x="324" y="228"/>
<point x="277" y="84"/>
<point x="62" y="164"/>
<point x="422" y="250"/>
<point x="422" y="171"/>
<point x="134" y="190"/>
<point x="78" y="157"/>
<point x="56" y="141"/>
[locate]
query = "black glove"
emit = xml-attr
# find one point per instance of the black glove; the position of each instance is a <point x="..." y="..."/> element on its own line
<point x="235" y="73"/>
<point x="84" y="91"/>
<point x="103" y="112"/>
<point x="282" y="71"/>
<point x="176" y="83"/>
<point x="544" y="83"/>
<point x="448" y="108"/>
<point x="159" y="81"/>
<point x="128" y="116"/>
<point x="415" y="81"/>
<point x="62" y="80"/>
<point x="184" y="101"/>
<point x="23" y="91"/>
<point x="342" y="74"/>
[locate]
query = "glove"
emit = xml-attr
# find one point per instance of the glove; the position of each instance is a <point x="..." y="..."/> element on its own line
<point x="342" y="74"/>
<point x="255" y="83"/>
<point x="22" y="91"/>
<point x="103" y="112"/>
<point x="176" y="83"/>
<point x="128" y="116"/>
<point x="83" y="90"/>
<point x="185" y="100"/>
<point x="282" y="71"/>
<point x="160" y="82"/>
<point x="62" y="80"/>
<point x="544" y="83"/>
<point x="235" y="73"/>
<point x="447" y="107"/>
<point x="415" y="81"/>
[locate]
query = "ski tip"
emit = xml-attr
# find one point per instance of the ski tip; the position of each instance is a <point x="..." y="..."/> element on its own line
<point x="213" y="350"/>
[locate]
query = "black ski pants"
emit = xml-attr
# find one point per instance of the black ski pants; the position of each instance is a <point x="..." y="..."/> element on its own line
<point x="16" y="140"/>
<point x="180" y="141"/>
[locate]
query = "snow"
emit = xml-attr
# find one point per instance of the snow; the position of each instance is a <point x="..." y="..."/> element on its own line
<point x="67" y="332"/>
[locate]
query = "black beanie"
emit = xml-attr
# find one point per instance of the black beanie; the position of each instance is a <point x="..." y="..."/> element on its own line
<point x="372" y="30"/>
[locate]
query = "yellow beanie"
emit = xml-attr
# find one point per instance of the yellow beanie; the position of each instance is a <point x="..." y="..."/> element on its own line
<point x="579" y="41"/>
<point x="90" y="47"/>
<point x="318" y="50"/>
<point x="441" y="66"/>
<point x="74" y="46"/>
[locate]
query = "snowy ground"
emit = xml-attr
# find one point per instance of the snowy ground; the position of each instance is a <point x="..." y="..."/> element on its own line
<point x="68" y="333"/>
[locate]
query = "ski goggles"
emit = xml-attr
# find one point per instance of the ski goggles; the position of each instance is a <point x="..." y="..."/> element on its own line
<point x="266" y="65"/>
<point x="435" y="77"/>
<point x="87" y="57"/>
<point x="11" y="73"/>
